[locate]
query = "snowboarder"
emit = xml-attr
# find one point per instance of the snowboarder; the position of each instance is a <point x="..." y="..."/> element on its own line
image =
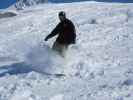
<point x="66" y="34"/>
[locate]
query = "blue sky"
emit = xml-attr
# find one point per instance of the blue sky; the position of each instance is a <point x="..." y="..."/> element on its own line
<point x="6" y="3"/>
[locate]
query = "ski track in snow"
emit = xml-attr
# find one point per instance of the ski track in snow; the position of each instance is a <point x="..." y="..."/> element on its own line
<point x="98" y="67"/>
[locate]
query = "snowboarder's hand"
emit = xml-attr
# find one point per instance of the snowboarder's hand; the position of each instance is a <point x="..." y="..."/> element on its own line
<point x="46" y="39"/>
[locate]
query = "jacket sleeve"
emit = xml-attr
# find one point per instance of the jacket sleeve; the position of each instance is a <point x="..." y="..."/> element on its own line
<point x="54" y="32"/>
<point x="74" y="33"/>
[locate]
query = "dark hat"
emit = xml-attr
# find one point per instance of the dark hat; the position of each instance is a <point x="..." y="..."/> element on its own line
<point x="62" y="13"/>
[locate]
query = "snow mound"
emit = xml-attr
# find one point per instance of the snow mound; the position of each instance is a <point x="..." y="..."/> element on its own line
<point x="45" y="60"/>
<point x="7" y="14"/>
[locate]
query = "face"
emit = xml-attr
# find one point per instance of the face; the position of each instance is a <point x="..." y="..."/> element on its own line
<point x="62" y="18"/>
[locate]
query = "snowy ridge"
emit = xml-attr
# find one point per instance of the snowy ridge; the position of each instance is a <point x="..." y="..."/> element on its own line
<point x="26" y="3"/>
<point x="98" y="67"/>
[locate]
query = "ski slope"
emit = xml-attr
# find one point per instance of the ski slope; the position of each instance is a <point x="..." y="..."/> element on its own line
<point x="98" y="67"/>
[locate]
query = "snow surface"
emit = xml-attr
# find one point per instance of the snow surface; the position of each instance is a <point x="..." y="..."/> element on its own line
<point x="98" y="67"/>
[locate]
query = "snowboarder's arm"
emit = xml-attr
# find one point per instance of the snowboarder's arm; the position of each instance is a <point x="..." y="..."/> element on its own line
<point x="74" y="33"/>
<point x="54" y="32"/>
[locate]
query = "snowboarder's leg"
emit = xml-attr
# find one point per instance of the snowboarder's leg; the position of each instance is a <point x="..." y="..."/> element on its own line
<point x="60" y="48"/>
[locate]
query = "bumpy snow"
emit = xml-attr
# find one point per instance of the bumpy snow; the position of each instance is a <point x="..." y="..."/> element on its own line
<point x="98" y="67"/>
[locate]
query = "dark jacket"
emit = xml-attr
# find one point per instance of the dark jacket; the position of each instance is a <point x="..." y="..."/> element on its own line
<point x="66" y="32"/>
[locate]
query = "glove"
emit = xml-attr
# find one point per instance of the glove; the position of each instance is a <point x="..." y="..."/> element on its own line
<point x="46" y="39"/>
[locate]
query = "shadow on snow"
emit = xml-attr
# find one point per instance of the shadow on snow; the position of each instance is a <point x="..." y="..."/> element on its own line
<point x="38" y="59"/>
<point x="14" y="69"/>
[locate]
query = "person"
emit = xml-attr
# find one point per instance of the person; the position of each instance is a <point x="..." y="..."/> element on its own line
<point x="66" y="34"/>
